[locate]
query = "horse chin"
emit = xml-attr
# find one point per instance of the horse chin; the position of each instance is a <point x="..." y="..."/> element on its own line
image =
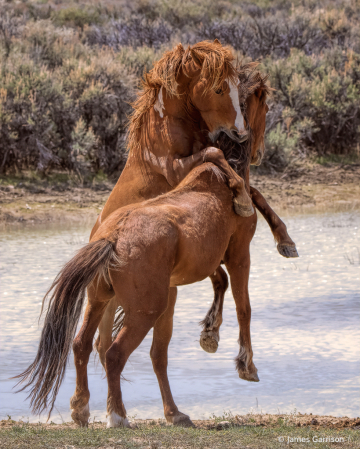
<point x="232" y="134"/>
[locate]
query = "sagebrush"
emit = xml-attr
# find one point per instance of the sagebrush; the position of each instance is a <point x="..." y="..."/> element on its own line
<point x="69" y="71"/>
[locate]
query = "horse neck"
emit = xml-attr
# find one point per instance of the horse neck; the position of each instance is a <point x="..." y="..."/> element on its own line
<point x="178" y="131"/>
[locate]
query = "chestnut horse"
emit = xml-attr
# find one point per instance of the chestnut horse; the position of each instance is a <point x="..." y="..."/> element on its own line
<point x="189" y="100"/>
<point x="140" y="254"/>
<point x="198" y="84"/>
<point x="135" y="260"/>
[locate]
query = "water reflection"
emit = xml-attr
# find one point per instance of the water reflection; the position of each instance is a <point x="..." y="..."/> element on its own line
<point x="305" y="328"/>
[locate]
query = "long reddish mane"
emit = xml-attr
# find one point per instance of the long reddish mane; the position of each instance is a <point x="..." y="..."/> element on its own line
<point x="217" y="62"/>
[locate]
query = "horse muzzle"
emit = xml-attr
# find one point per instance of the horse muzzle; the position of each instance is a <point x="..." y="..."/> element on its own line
<point x="239" y="137"/>
<point x="256" y="160"/>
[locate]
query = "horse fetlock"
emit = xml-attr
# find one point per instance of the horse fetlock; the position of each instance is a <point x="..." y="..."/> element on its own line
<point x="209" y="340"/>
<point x="115" y="420"/>
<point x="243" y="360"/>
<point x="179" y="419"/>
<point x="79" y="400"/>
<point x="80" y="414"/>
<point x="245" y="366"/>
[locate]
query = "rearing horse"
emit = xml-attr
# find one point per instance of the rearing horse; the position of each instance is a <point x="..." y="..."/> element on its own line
<point x="190" y="102"/>
<point x="189" y="99"/>
<point x="140" y="254"/>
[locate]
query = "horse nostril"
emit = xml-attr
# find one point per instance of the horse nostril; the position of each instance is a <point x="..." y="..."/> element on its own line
<point x="244" y="137"/>
<point x="239" y="137"/>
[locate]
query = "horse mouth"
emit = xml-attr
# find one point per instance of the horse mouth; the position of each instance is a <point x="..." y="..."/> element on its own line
<point x="233" y="135"/>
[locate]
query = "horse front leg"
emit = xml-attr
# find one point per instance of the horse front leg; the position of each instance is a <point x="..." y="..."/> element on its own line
<point x="210" y="336"/>
<point x="285" y="245"/>
<point x="159" y="357"/>
<point x="237" y="262"/>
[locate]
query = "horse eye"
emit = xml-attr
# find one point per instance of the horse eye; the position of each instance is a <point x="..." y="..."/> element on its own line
<point x="219" y="91"/>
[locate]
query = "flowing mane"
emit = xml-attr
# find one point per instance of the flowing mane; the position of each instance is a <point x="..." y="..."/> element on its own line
<point x="217" y="65"/>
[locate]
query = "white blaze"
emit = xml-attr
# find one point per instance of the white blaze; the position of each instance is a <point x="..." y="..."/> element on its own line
<point x="159" y="105"/>
<point x="234" y="95"/>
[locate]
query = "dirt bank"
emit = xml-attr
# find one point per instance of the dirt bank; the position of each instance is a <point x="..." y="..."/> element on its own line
<point x="309" y="188"/>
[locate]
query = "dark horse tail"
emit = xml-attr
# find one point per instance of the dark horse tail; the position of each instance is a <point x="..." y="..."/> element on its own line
<point x="45" y="374"/>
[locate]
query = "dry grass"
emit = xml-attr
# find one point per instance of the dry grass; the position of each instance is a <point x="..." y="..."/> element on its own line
<point x="248" y="431"/>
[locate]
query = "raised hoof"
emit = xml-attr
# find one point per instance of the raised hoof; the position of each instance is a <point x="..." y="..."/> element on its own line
<point x="287" y="250"/>
<point x="250" y="377"/>
<point x="242" y="209"/>
<point x="115" y="420"/>
<point x="209" y="341"/>
<point x="81" y="416"/>
<point x="180" y="420"/>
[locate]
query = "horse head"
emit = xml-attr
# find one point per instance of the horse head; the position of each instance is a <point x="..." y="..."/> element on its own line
<point x="212" y="88"/>
<point x="252" y="93"/>
<point x="256" y="109"/>
<point x="199" y="94"/>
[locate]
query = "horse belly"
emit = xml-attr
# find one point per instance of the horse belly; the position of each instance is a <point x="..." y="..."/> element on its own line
<point x="198" y="258"/>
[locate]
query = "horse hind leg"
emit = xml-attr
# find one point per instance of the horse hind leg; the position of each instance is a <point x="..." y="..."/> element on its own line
<point x="105" y="337"/>
<point x="210" y="335"/>
<point x="142" y="309"/>
<point x="99" y="295"/>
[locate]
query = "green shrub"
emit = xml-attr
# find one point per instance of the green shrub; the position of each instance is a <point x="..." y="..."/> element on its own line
<point x="321" y="96"/>
<point x="73" y="116"/>
<point x="76" y="16"/>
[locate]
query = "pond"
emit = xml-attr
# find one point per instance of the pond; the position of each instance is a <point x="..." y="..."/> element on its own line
<point x="305" y="328"/>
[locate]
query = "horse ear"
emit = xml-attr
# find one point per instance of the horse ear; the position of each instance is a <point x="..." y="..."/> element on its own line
<point x="216" y="41"/>
<point x="197" y="58"/>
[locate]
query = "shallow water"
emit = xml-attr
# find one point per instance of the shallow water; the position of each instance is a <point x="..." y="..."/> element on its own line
<point x="305" y="328"/>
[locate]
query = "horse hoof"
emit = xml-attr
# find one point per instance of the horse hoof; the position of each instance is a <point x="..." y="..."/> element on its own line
<point x="115" y="420"/>
<point x="180" y="419"/>
<point x="250" y="377"/>
<point x="209" y="341"/>
<point x="287" y="250"/>
<point x="243" y="210"/>
<point x="81" y="416"/>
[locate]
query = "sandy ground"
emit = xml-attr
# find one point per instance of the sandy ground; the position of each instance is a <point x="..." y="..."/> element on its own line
<point x="306" y="189"/>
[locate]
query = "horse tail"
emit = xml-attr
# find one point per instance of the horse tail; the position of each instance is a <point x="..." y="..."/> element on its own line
<point x="67" y="295"/>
